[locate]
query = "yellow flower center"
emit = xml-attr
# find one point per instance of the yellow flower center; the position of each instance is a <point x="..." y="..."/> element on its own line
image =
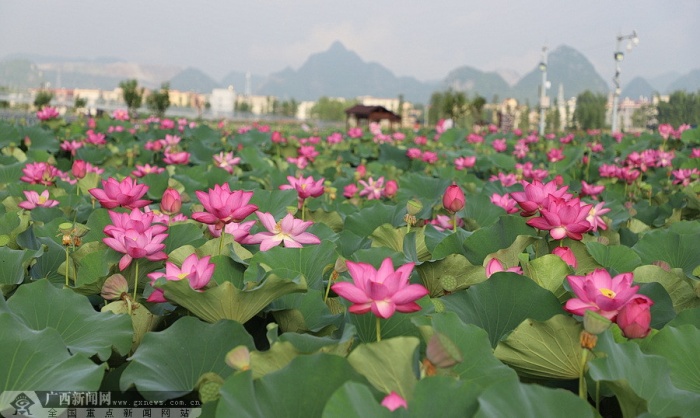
<point x="182" y="275"/>
<point x="607" y="292"/>
<point x="41" y="200"/>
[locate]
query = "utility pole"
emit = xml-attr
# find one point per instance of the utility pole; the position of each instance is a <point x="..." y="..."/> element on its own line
<point x="544" y="100"/>
<point x="619" y="56"/>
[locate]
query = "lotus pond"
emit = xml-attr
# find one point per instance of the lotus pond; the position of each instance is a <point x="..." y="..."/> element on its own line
<point x="273" y="273"/>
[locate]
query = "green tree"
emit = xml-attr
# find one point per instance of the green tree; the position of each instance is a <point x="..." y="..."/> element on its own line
<point x="524" y="121"/>
<point x="590" y="110"/>
<point x="133" y="94"/>
<point x="242" y="107"/>
<point x="159" y="100"/>
<point x="42" y="98"/>
<point x="79" y="102"/>
<point x="435" y="111"/>
<point x="682" y="107"/>
<point x="329" y="109"/>
<point x="286" y="108"/>
<point x="476" y="109"/>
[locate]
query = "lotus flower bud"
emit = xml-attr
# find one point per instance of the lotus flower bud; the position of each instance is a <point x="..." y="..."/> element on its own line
<point x="635" y="317"/>
<point x="453" y="200"/>
<point x="394" y="401"/>
<point x="79" y="169"/>
<point x="567" y="255"/>
<point x="239" y="358"/>
<point x="171" y="203"/>
<point x="114" y="287"/>
<point x="390" y="188"/>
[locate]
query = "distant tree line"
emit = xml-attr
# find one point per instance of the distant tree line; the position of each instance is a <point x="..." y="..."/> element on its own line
<point x="455" y="105"/>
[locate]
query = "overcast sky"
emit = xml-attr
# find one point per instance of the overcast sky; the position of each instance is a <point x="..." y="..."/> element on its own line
<point x="424" y="39"/>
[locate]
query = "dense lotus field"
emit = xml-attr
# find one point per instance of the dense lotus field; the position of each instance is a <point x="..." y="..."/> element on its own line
<point x="273" y="273"/>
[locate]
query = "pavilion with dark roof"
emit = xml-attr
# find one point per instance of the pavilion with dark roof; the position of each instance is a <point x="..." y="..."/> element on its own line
<point x="359" y="112"/>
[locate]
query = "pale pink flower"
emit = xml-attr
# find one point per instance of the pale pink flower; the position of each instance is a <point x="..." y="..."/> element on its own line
<point x="289" y="230"/>
<point x="240" y="231"/>
<point x="71" y="146"/>
<point x="47" y="113"/>
<point x="505" y="202"/>
<point x="226" y="160"/>
<point x="414" y="153"/>
<point x="429" y="157"/>
<point x="445" y="223"/>
<point x="495" y="265"/>
<point x="39" y="173"/>
<point x="142" y="170"/>
<point x="135" y="245"/>
<point x="35" y="200"/>
<point x="499" y="145"/>
<point x="126" y="193"/>
<point x="196" y="271"/>
<point x="350" y="190"/>
<point x="120" y="114"/>
<point x="595" y="216"/>
<point x="305" y="186"/>
<point x="372" y="189"/>
<point x="176" y="158"/>
<point x="462" y="163"/>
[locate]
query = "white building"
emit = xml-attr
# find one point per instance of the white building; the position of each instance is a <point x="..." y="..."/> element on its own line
<point x="222" y="102"/>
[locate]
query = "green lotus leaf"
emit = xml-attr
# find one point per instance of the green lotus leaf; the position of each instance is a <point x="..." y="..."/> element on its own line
<point x="549" y="349"/>
<point x="226" y="301"/>
<point x="453" y="243"/>
<point x="15" y="263"/>
<point x="364" y="222"/>
<point x="674" y="282"/>
<point x="304" y="312"/>
<point x="389" y="365"/>
<point x="396" y="237"/>
<point x="397" y="325"/>
<point x="286" y="392"/>
<point x="514" y="399"/>
<point x="480" y="211"/>
<point x="502" y="303"/>
<point x="169" y="363"/>
<point x="500" y="235"/>
<point x="41" y="305"/>
<point x="275" y="202"/>
<point x="679" y="347"/>
<point x="354" y="400"/>
<point x="39" y="361"/>
<point x="455" y="265"/>
<point x="627" y="370"/>
<point x="616" y="258"/>
<point x="183" y="233"/>
<point x="688" y="316"/>
<point x="677" y="249"/>
<point x="549" y="271"/>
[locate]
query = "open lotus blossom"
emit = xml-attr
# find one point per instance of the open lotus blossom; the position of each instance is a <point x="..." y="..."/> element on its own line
<point x="126" y="193"/>
<point x="195" y="270"/>
<point x="462" y="163"/>
<point x="226" y="160"/>
<point x="39" y="173"/>
<point x="240" y="231"/>
<point x="35" y="200"/>
<point x="591" y="189"/>
<point x="394" y="401"/>
<point x="372" y="189"/>
<point x="134" y="245"/>
<point x="505" y="202"/>
<point x="381" y="291"/>
<point x="142" y="170"/>
<point x="290" y="231"/>
<point x="444" y="222"/>
<point x="47" y="113"/>
<point x="563" y="219"/>
<point x="176" y="158"/>
<point x="535" y="196"/>
<point x="305" y="186"/>
<point x="595" y="216"/>
<point x="224" y="206"/>
<point x="600" y="293"/>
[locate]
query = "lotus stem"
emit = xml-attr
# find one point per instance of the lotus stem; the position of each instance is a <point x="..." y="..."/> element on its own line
<point x="67" y="268"/>
<point x="454" y="222"/>
<point x="136" y="277"/>
<point x="221" y="240"/>
<point x="582" y="389"/>
<point x="379" y="329"/>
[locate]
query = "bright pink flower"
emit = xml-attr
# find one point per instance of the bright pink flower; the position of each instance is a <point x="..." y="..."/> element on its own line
<point x="420" y="140"/>
<point x="239" y="230"/>
<point x="171" y="202"/>
<point x="289" y="230"/>
<point x="176" y="158"/>
<point x="474" y="138"/>
<point x="685" y="176"/>
<point x="429" y="157"/>
<point x="600" y="293"/>
<point x="499" y="145"/>
<point x="309" y="152"/>
<point x="563" y="219"/>
<point x="95" y="138"/>
<point x="134" y="220"/>
<point x="195" y="270"/>
<point x="372" y="189"/>
<point x="360" y="171"/>
<point x="277" y="138"/>
<point x="536" y="195"/>
<point x="634" y="318"/>
<point x="120" y="114"/>
<point x="167" y="124"/>
<point x="595" y="216"/>
<point x="390" y="188"/>
<point x="300" y="162"/>
<point x="71" y="146"/>
<point x="223" y="206"/>
<point x="350" y="190"/>
<point x="521" y="149"/>
<point x="355" y="132"/>
<point x="463" y="163"/>
<point x="414" y="153"/>
<point x="79" y="169"/>
<point x="506" y="180"/>
<point x="126" y="193"/>
<point x="505" y="202"/>
<point x="35" y="200"/>
<point x="134" y="245"/>
<point x="444" y="222"/>
<point x="334" y="138"/>
<point x="39" y="173"/>
<point x="567" y="255"/>
<point x="590" y="189"/>
<point x="394" y="401"/>
<point x="47" y="113"/>
<point x="566" y="139"/>
<point x="453" y="199"/>
<point x="495" y="265"/>
<point x="665" y="130"/>
<point x="155" y="145"/>
<point x="382" y="291"/>
<point x="305" y="186"/>
<point x="555" y="154"/>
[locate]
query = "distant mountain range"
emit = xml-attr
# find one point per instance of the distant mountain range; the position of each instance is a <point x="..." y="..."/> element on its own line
<point x="338" y="72"/>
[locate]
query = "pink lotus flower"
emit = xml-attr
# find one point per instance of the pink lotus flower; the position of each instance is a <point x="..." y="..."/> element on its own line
<point x="305" y="187"/>
<point x="536" y="195"/>
<point x="382" y="291"/>
<point x="35" y="200"/>
<point x="176" y="158"/>
<point x="120" y="114"/>
<point x="555" y="154"/>
<point x="600" y="293"/>
<point x="372" y="189"/>
<point x="429" y="157"/>
<point x="474" y="138"/>
<point x="355" y="132"/>
<point x="563" y="219"/>
<point x="39" y="173"/>
<point x="591" y="189"/>
<point x="453" y="199"/>
<point x="47" y="113"/>
<point x="155" y="145"/>
<point x="142" y="170"/>
<point x="350" y="190"/>
<point x="195" y="270"/>
<point x="126" y="193"/>
<point x="134" y="245"/>
<point x="505" y="202"/>
<point x="226" y="160"/>
<point x="414" y="153"/>
<point x="390" y="188"/>
<point x="394" y="401"/>
<point x="495" y="265"/>
<point x="444" y="222"/>
<point x="309" y="152"/>
<point x="595" y="216"/>
<point x="506" y="180"/>
<point x="239" y="230"/>
<point x="567" y="255"/>
<point x="96" y="138"/>
<point x="224" y="206"/>
<point x="634" y="318"/>
<point x="134" y="220"/>
<point x="171" y="202"/>
<point x="499" y="145"/>
<point x="71" y="146"/>
<point x="665" y="130"/>
<point x="289" y="230"/>
<point x="462" y="163"/>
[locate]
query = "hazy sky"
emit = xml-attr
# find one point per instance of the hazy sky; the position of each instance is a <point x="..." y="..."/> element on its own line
<point x="425" y="39"/>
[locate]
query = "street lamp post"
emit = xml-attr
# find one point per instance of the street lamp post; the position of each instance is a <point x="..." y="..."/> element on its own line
<point x="544" y="100"/>
<point x="619" y="56"/>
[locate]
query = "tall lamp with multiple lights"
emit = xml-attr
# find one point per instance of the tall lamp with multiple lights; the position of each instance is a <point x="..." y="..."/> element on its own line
<point x="619" y="56"/>
<point x="544" y="100"/>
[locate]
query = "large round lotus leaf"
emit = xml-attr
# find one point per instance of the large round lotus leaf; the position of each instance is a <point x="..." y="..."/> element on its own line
<point x="39" y="360"/>
<point x="681" y="292"/>
<point x="616" y="258"/>
<point x="549" y="271"/>
<point x="41" y="305"/>
<point x="514" y="399"/>
<point x="455" y="265"/>
<point x="354" y="400"/>
<point x="677" y="249"/>
<point x="633" y="375"/>
<point x="299" y="390"/>
<point x="549" y="349"/>
<point x="364" y="222"/>
<point x="169" y="363"/>
<point x="501" y="234"/>
<point x="388" y="364"/>
<point x="14" y="264"/>
<point x="501" y="303"/>
<point x="680" y="347"/>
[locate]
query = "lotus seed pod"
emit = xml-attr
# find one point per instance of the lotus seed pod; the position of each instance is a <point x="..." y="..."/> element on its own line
<point x="208" y="387"/>
<point x="438" y="305"/>
<point x="595" y="323"/>
<point x="448" y="282"/>
<point x="414" y="207"/>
